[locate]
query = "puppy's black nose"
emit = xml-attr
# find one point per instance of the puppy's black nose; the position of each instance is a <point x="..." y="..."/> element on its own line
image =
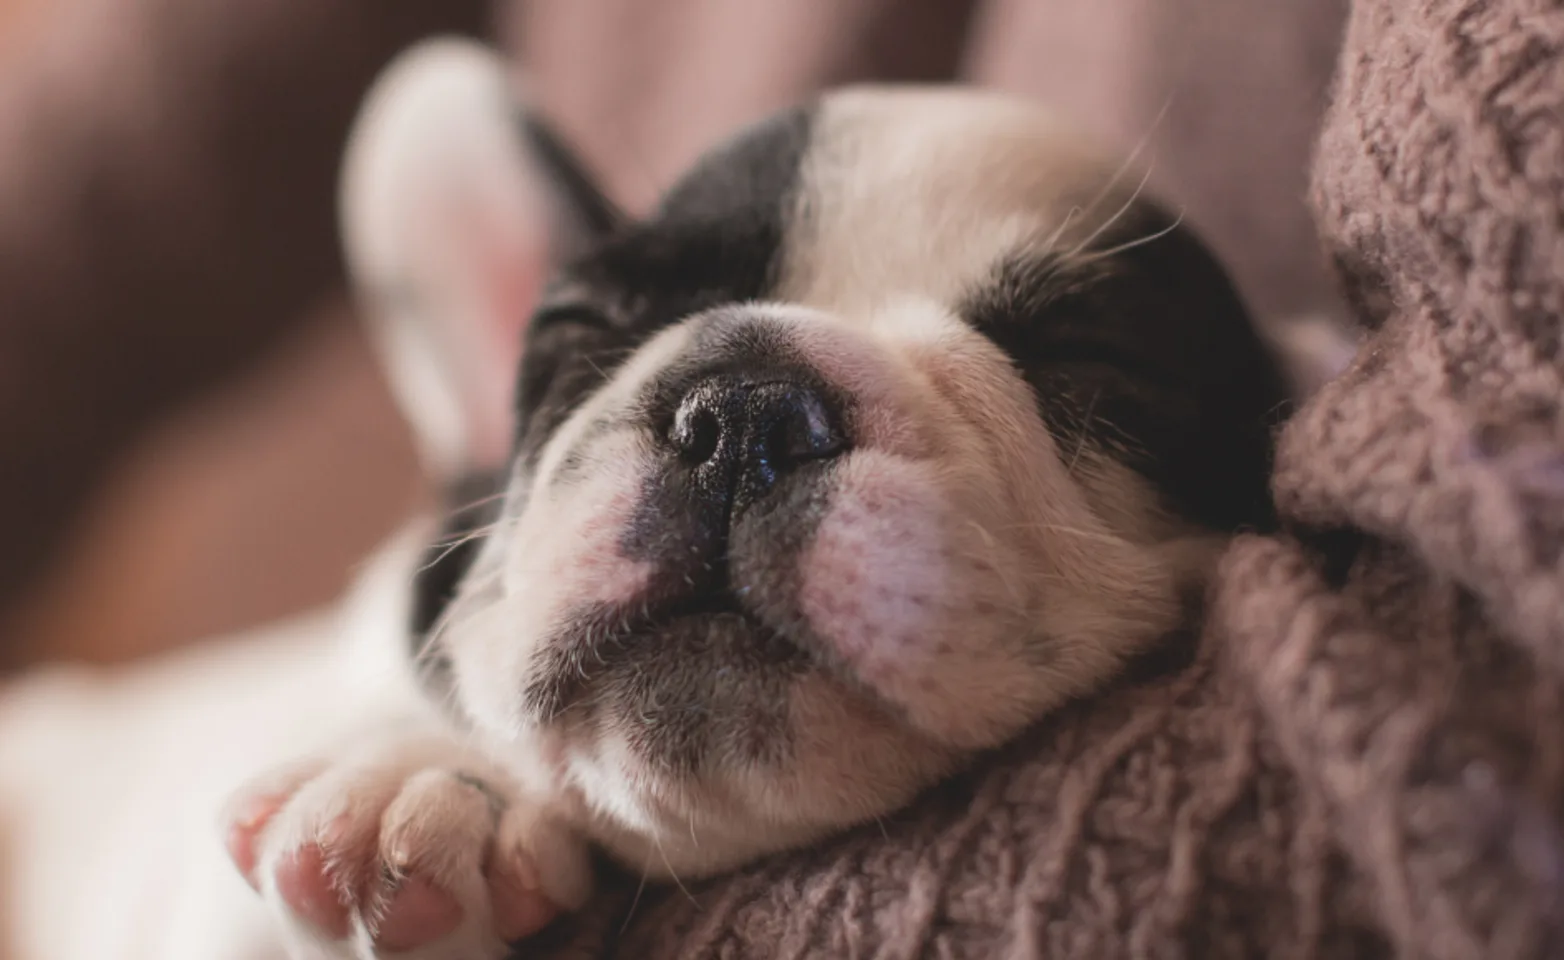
<point x="744" y="436"/>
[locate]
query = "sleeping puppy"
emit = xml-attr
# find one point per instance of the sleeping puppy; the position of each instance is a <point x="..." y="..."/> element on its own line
<point x="902" y="420"/>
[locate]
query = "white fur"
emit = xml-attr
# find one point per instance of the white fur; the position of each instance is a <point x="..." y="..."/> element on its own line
<point x="444" y="237"/>
<point x="1003" y="175"/>
<point x="112" y="783"/>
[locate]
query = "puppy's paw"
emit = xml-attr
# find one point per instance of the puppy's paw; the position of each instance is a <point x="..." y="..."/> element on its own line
<point x="420" y="849"/>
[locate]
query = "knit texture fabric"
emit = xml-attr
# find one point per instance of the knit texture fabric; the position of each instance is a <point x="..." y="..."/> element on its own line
<point x="1363" y="756"/>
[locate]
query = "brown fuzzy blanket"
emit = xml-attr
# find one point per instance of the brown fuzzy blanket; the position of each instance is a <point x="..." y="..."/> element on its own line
<point x="1364" y="757"/>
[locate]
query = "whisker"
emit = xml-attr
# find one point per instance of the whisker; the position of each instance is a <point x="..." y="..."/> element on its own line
<point x="1131" y="158"/>
<point x="998" y="569"/>
<point x="1158" y="235"/>
<point x="500" y="495"/>
<point x="477" y="533"/>
<point x="657" y="843"/>
<point x="457" y="540"/>
<point x="636" y="901"/>
<point x="1072" y="531"/>
<point x="1053" y="238"/>
<point x="1086" y="422"/>
<point x="1108" y="223"/>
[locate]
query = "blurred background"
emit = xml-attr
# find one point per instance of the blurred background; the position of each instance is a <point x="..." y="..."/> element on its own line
<point x="194" y="437"/>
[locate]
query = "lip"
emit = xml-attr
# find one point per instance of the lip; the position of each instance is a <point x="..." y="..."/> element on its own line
<point x="599" y="640"/>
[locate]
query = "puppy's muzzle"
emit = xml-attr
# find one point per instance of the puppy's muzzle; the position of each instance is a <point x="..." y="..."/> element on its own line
<point x="738" y="474"/>
<point x="740" y="436"/>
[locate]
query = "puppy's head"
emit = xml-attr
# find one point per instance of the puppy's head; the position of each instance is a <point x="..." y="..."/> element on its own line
<point x="903" y="419"/>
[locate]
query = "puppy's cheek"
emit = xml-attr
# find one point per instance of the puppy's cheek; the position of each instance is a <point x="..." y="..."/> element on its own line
<point x="919" y="604"/>
<point x="568" y="549"/>
<point x="588" y="565"/>
<point x="875" y="582"/>
<point x="562" y="556"/>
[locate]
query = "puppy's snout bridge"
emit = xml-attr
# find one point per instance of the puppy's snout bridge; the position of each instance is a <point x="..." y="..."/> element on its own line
<point x="741" y="437"/>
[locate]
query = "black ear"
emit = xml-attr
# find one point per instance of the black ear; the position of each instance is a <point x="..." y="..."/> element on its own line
<point x="583" y="213"/>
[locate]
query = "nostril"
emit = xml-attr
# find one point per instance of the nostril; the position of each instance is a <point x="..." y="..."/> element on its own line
<point x="696" y="432"/>
<point x="803" y="428"/>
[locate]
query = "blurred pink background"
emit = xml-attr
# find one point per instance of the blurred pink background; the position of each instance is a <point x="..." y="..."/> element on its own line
<point x="252" y="490"/>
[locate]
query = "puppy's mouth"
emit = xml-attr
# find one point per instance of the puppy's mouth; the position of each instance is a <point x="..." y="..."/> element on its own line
<point x="632" y="646"/>
<point x="722" y="515"/>
<point x="651" y="617"/>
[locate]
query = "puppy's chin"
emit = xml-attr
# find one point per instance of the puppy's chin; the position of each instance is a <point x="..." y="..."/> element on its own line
<point x="687" y="741"/>
<point x="769" y="780"/>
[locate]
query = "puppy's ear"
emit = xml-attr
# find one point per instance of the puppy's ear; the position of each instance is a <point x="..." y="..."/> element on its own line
<point x="455" y="204"/>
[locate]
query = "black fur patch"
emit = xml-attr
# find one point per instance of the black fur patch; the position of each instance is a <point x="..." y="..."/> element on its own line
<point x="586" y="212"/>
<point x="475" y="503"/>
<point x="716" y="239"/>
<point x="1147" y="356"/>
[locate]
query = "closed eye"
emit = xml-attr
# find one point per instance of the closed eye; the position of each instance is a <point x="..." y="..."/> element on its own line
<point x="571" y="315"/>
<point x="1047" y="315"/>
